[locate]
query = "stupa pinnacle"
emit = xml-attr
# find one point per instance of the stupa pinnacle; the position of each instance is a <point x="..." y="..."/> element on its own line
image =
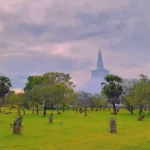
<point x="99" y="72"/>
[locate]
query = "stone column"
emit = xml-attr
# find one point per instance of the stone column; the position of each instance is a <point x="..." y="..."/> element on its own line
<point x="17" y="125"/>
<point x="113" y="125"/>
<point x="51" y="117"/>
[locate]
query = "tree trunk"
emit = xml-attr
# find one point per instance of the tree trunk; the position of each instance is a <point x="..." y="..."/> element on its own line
<point x="18" y="111"/>
<point x="100" y="108"/>
<point x="57" y="108"/>
<point x="73" y="108"/>
<point x="63" y="108"/>
<point x="44" y="112"/>
<point x="80" y="110"/>
<point x="23" y="111"/>
<point x="92" y="108"/>
<point x="85" y="111"/>
<point x="114" y="108"/>
<point x="76" y="109"/>
<point x="32" y="110"/>
<point x="131" y="109"/>
<point x="37" y="110"/>
<point x="141" y="109"/>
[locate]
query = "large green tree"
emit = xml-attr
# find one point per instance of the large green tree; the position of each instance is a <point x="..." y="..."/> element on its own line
<point x="52" y="88"/>
<point x="140" y="93"/>
<point x="112" y="89"/>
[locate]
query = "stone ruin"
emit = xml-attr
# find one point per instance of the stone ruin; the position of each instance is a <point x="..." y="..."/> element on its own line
<point x="51" y="118"/>
<point x="141" y="117"/>
<point x="17" y="126"/>
<point x="113" y="125"/>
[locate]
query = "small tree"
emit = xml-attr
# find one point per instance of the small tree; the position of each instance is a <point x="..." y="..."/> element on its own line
<point x="98" y="101"/>
<point x="112" y="90"/>
<point x="5" y="85"/>
<point x="16" y="101"/>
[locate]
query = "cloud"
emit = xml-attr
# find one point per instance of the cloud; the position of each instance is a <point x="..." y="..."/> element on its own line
<point x="38" y="37"/>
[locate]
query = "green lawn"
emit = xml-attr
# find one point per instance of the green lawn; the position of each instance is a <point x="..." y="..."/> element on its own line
<point x="77" y="133"/>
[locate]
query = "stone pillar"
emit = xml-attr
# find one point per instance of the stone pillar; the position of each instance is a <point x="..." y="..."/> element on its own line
<point x="141" y="117"/>
<point x="17" y="125"/>
<point x="51" y="117"/>
<point x="113" y="125"/>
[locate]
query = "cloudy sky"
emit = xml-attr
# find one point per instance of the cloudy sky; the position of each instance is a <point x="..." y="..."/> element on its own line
<point x="38" y="36"/>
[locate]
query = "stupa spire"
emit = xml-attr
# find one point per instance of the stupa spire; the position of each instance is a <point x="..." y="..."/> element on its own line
<point x="100" y="61"/>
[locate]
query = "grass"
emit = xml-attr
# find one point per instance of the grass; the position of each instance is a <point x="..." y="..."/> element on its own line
<point x="77" y="132"/>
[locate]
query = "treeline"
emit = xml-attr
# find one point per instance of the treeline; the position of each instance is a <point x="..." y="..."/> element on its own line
<point x="49" y="90"/>
<point x="56" y="89"/>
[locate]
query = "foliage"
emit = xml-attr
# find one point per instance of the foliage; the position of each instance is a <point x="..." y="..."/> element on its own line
<point x="112" y="89"/>
<point x="83" y="98"/>
<point x="140" y="92"/>
<point x="5" y="85"/>
<point x="98" y="100"/>
<point x="52" y="88"/>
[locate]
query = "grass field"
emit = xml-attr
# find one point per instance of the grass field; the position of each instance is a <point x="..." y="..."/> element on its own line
<point x="77" y="132"/>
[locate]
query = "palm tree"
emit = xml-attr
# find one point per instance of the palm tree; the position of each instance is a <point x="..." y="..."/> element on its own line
<point x="112" y="89"/>
<point x="5" y="85"/>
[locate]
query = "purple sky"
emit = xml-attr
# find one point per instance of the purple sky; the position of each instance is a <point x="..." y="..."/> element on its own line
<point x="38" y="36"/>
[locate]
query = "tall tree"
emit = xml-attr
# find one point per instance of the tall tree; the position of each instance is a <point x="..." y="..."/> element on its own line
<point x="112" y="89"/>
<point x="5" y="85"/>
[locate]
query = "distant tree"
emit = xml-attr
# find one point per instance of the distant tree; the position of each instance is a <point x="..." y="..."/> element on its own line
<point x="5" y="85"/>
<point x="98" y="101"/>
<point x="127" y="93"/>
<point x="84" y="98"/>
<point x="112" y="89"/>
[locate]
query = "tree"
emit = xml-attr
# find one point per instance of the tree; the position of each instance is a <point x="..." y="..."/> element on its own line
<point x="140" y="93"/>
<point x="33" y="81"/>
<point x="84" y="98"/>
<point x="126" y="96"/>
<point x="16" y="101"/>
<point x="34" y="99"/>
<point x="52" y="87"/>
<point x="112" y="90"/>
<point x="98" y="101"/>
<point x="5" y="85"/>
